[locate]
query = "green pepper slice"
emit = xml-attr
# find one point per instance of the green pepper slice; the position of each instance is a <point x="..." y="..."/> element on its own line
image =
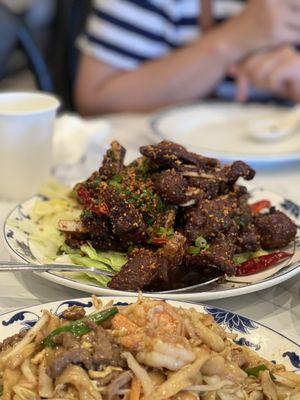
<point x="79" y="328"/>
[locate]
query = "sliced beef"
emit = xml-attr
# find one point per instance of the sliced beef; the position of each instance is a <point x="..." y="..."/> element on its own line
<point x="96" y="225"/>
<point x="97" y="242"/>
<point x="100" y="233"/>
<point x="140" y="270"/>
<point x="170" y="189"/>
<point x="248" y="240"/>
<point x="170" y="256"/>
<point x="225" y="214"/>
<point x="67" y="340"/>
<point x="105" y="352"/>
<point x="209" y="218"/>
<point x="146" y="268"/>
<point x="127" y="222"/>
<point x="237" y="170"/>
<point x="219" y="255"/>
<point x="113" y="161"/>
<point x="171" y="186"/>
<point x="101" y="351"/>
<point x="73" y="313"/>
<point x="76" y="356"/>
<point x="276" y="229"/>
<point x="210" y="183"/>
<point x="167" y="155"/>
<point x="165" y="220"/>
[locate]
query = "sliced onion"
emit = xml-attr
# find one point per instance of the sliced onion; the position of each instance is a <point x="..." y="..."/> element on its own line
<point x="139" y="372"/>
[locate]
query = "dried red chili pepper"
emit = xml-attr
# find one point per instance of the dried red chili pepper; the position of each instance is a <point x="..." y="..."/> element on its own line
<point x="100" y="209"/>
<point x="84" y="196"/>
<point x="159" y="241"/>
<point x="261" y="263"/>
<point x="259" y="205"/>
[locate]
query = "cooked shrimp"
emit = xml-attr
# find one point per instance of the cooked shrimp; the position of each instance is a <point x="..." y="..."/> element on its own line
<point x="155" y="332"/>
<point x="171" y="353"/>
<point x="155" y="314"/>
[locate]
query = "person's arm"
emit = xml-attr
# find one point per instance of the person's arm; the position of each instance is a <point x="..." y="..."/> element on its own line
<point x="277" y="72"/>
<point x="186" y="74"/>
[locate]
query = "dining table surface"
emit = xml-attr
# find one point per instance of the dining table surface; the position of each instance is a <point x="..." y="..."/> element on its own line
<point x="278" y="307"/>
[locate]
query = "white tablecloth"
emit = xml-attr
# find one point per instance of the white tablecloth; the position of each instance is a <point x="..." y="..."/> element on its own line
<point x="277" y="307"/>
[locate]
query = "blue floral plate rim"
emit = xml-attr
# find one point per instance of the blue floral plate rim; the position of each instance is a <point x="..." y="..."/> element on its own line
<point x="212" y="293"/>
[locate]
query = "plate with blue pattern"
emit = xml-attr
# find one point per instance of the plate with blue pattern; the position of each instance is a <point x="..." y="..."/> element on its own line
<point x="268" y="343"/>
<point x="22" y="248"/>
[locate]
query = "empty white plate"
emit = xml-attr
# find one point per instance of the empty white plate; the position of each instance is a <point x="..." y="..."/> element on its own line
<point x="222" y="130"/>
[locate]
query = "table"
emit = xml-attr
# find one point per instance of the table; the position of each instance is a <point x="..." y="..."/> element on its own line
<point x="277" y="307"/>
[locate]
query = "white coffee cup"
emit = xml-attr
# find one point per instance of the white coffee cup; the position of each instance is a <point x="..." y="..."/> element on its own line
<point x="26" y="128"/>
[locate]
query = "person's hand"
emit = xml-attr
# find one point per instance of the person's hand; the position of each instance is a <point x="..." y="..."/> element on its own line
<point x="277" y="72"/>
<point x="265" y="24"/>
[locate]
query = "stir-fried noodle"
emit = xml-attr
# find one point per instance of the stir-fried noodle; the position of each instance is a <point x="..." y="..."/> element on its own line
<point x="149" y="350"/>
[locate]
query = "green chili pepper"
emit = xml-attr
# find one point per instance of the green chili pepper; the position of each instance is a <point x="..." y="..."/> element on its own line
<point x="256" y="370"/>
<point x="79" y="328"/>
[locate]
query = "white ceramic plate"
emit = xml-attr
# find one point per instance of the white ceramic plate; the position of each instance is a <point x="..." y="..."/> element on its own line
<point x="22" y="249"/>
<point x="267" y="342"/>
<point x="221" y="130"/>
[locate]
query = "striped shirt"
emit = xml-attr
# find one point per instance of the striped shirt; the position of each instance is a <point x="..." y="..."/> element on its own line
<point x="126" y="33"/>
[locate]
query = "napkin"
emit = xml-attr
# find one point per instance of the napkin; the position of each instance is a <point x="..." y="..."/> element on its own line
<point x="78" y="146"/>
<point x="74" y="135"/>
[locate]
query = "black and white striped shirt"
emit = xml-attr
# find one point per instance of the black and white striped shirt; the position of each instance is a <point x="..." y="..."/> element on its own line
<point x="125" y="33"/>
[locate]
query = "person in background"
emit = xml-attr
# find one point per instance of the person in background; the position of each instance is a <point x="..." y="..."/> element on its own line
<point x="139" y="55"/>
<point x="276" y="71"/>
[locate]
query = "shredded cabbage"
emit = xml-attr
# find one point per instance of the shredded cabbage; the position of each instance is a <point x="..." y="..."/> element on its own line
<point x="49" y="243"/>
<point x="243" y="257"/>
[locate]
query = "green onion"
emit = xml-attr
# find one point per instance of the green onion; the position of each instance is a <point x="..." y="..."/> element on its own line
<point x="161" y="231"/>
<point x="241" y="224"/>
<point x="1" y="390"/>
<point x="142" y="168"/>
<point x="256" y="370"/>
<point x="116" y="181"/>
<point x="161" y="205"/>
<point x="149" y="221"/>
<point x="79" y="328"/>
<point x="87" y="214"/>
<point x="193" y="250"/>
<point x="201" y="243"/>
<point x="169" y="233"/>
<point x="96" y="182"/>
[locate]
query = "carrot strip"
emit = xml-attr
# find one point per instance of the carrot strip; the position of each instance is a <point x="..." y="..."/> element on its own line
<point x="135" y="391"/>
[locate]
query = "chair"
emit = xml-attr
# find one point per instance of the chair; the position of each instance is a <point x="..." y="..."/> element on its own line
<point x="63" y="58"/>
<point x="28" y="46"/>
<point x="54" y="71"/>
